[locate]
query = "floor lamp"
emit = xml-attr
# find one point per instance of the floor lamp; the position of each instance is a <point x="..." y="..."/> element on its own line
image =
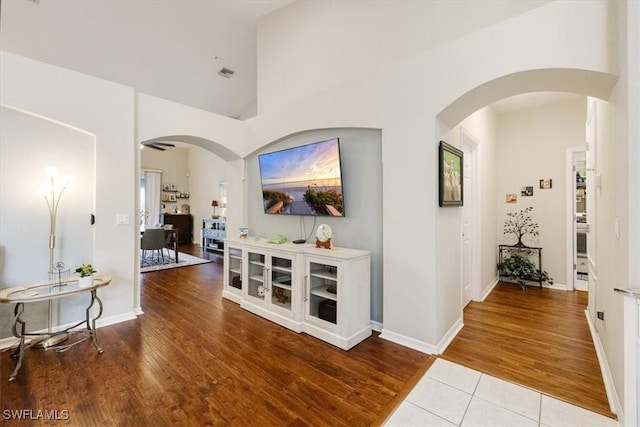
<point x="52" y="196"/>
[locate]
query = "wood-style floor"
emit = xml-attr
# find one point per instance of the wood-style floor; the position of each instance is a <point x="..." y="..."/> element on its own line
<point x="538" y="338"/>
<point x="196" y="359"/>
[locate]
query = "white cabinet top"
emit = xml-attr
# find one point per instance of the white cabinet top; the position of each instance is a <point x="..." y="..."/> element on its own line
<point x="303" y="248"/>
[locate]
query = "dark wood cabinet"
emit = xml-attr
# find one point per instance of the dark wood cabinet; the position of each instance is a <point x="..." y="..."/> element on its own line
<point x="184" y="224"/>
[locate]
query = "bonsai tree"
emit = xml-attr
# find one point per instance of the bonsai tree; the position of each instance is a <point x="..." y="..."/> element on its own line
<point x="520" y="224"/>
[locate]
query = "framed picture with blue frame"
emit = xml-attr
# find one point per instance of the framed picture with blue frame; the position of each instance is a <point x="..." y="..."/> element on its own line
<point x="450" y="170"/>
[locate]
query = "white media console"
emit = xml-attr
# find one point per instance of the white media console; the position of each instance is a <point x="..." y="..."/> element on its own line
<point x="322" y="292"/>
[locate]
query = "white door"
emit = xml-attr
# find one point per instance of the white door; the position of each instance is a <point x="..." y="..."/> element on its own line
<point x="591" y="209"/>
<point x="467" y="224"/>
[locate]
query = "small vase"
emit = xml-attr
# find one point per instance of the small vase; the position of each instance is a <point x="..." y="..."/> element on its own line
<point x="85" y="282"/>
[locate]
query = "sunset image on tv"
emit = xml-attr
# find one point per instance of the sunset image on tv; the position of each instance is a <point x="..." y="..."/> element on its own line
<point x="304" y="180"/>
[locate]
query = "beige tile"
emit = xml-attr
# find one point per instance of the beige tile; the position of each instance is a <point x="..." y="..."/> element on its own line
<point x="457" y="376"/>
<point x="440" y="399"/>
<point x="482" y="413"/>
<point x="409" y="415"/>
<point x="509" y="395"/>
<point x="556" y="413"/>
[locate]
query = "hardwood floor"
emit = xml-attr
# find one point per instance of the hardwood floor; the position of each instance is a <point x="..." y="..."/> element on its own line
<point x="538" y="338"/>
<point x="196" y="359"/>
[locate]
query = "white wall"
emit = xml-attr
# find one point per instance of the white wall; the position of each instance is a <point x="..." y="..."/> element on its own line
<point x="482" y="126"/>
<point x="532" y="145"/>
<point x="24" y="216"/>
<point x="297" y="54"/>
<point x="403" y="101"/>
<point x="105" y="110"/>
<point x="206" y="171"/>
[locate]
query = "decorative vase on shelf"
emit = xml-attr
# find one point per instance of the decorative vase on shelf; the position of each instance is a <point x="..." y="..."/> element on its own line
<point x="85" y="281"/>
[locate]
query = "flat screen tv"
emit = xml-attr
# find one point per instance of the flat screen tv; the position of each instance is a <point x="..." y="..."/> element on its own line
<point x="304" y="180"/>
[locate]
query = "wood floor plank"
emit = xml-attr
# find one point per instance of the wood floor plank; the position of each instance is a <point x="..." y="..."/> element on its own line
<point x="194" y="358"/>
<point x="538" y="338"/>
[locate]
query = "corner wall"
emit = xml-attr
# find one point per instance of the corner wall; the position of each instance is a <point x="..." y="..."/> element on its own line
<point x="106" y="110"/>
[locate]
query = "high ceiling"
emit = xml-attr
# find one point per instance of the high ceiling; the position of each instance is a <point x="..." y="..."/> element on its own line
<point x="172" y="49"/>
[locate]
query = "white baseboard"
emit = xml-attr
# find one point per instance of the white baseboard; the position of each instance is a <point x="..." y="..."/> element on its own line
<point x="489" y="289"/>
<point x="609" y="386"/>
<point x="556" y="286"/>
<point x="450" y="335"/>
<point x="106" y="321"/>
<point x="376" y="326"/>
<point x="138" y="311"/>
<point x="408" y="342"/>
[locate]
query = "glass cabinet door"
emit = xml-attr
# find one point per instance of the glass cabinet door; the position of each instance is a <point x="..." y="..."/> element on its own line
<point x="234" y="267"/>
<point x="322" y="292"/>
<point x="280" y="274"/>
<point x="256" y="275"/>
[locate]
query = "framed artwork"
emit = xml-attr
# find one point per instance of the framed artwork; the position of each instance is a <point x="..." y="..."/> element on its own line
<point x="512" y="198"/>
<point x="546" y="184"/>
<point x="172" y="198"/>
<point x="450" y="175"/>
<point x="527" y="191"/>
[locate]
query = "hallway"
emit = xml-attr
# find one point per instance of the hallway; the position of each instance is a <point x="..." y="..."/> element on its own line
<point x="538" y="338"/>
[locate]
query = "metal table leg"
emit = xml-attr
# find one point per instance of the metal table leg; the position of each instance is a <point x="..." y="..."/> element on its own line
<point x="19" y="309"/>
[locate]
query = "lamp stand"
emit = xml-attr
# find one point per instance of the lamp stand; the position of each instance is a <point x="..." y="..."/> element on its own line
<point x="51" y="339"/>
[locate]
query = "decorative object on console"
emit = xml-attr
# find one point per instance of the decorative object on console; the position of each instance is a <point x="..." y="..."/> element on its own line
<point x="243" y="232"/>
<point x="517" y="261"/>
<point x="86" y="272"/>
<point x="450" y="176"/>
<point x="323" y="237"/>
<point x="52" y="196"/>
<point x="214" y="203"/>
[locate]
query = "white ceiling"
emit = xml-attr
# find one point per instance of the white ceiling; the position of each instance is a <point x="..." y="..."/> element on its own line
<point x="172" y="49"/>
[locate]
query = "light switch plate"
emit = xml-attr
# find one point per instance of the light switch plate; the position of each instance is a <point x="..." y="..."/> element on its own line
<point x="122" y="219"/>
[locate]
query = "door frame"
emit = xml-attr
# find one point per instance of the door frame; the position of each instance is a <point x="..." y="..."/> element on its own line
<point x="467" y="138"/>
<point x="570" y="182"/>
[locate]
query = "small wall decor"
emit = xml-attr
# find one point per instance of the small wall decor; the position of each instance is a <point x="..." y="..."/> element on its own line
<point x="450" y="175"/>
<point x="546" y="184"/>
<point x="527" y="191"/>
<point x="512" y="198"/>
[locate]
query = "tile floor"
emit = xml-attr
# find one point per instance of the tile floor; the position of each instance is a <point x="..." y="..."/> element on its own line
<point x="453" y="395"/>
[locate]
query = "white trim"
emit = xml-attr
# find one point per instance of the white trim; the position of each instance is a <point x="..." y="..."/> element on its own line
<point x="107" y="321"/>
<point x="609" y="385"/>
<point x="467" y="138"/>
<point x="570" y="196"/>
<point x="376" y="326"/>
<point x="138" y="311"/>
<point x="489" y="288"/>
<point x="408" y="342"/>
<point x="450" y="335"/>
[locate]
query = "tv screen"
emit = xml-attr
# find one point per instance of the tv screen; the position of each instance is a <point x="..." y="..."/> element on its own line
<point x="305" y="180"/>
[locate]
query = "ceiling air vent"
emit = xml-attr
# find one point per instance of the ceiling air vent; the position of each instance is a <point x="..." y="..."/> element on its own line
<point x="225" y="72"/>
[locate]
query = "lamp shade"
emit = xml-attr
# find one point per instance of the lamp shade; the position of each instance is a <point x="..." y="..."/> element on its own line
<point x="214" y="203"/>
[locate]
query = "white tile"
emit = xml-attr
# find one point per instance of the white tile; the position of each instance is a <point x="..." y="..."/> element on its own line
<point x="556" y="413"/>
<point x="455" y="375"/>
<point x="511" y="396"/>
<point x="409" y="415"/>
<point x="482" y="413"/>
<point x="440" y="399"/>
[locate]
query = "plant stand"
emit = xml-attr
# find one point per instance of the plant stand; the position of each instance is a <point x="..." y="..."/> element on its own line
<point x="506" y="251"/>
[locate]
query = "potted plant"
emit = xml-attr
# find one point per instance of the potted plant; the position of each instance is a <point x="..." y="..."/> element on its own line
<point x="519" y="267"/>
<point x="85" y="271"/>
